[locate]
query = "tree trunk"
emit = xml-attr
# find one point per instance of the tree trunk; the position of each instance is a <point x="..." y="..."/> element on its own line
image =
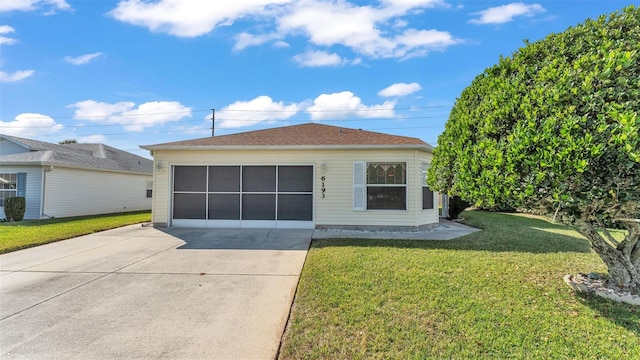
<point x="622" y="259"/>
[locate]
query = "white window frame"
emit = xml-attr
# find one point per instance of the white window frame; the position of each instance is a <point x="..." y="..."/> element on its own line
<point x="12" y="192"/>
<point x="404" y="185"/>
<point x="149" y="192"/>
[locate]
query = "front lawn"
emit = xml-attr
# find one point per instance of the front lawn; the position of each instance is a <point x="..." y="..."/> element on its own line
<point x="29" y="233"/>
<point x="493" y="294"/>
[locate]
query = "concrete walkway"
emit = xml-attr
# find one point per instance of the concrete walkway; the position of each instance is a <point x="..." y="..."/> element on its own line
<point x="142" y="293"/>
<point x="446" y="231"/>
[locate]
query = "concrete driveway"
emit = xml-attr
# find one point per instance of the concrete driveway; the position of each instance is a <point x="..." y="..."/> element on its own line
<point x="143" y="293"/>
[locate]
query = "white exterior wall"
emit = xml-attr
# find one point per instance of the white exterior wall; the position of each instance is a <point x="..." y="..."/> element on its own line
<point x="33" y="190"/>
<point x="336" y="209"/>
<point x="75" y="192"/>
<point x="8" y="148"/>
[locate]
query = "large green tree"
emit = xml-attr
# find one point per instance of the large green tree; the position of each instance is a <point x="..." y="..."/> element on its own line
<point x="554" y="127"/>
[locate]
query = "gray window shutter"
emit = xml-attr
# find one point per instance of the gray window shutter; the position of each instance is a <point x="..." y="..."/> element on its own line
<point x="359" y="185"/>
<point x="22" y="184"/>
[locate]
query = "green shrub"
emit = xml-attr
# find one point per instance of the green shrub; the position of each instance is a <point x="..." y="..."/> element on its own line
<point x="14" y="208"/>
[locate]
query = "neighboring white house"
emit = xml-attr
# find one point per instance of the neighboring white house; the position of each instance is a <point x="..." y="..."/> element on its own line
<point x="300" y="176"/>
<point x="61" y="180"/>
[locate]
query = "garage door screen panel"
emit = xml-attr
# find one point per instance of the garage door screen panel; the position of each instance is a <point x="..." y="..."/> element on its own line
<point x="258" y="207"/>
<point x="295" y="179"/>
<point x="258" y="178"/>
<point x="224" y="179"/>
<point x="295" y="207"/>
<point x="189" y="206"/>
<point x="245" y="193"/>
<point x="190" y="178"/>
<point x="224" y="206"/>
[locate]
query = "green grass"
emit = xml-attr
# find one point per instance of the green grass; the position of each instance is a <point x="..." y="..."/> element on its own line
<point x="29" y="233"/>
<point x="493" y="294"/>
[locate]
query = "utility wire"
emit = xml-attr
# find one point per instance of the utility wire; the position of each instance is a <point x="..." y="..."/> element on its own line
<point x="205" y="130"/>
<point x="243" y="120"/>
<point x="235" y="110"/>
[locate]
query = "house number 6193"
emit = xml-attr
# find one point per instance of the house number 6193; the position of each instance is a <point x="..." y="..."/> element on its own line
<point x="323" y="189"/>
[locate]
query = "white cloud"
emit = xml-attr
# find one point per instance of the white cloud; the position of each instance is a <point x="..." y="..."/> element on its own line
<point x="15" y="76"/>
<point x="6" y="29"/>
<point x="409" y="4"/>
<point x="31" y="5"/>
<point x="314" y="58"/>
<point x="367" y="30"/>
<point x="400" y="89"/>
<point x="506" y="13"/>
<point x="128" y="116"/>
<point x="93" y="139"/>
<point x="30" y="125"/>
<point x="375" y="30"/>
<point x="281" y="44"/>
<point x="245" y="40"/>
<point x="188" y="18"/>
<point x="344" y="104"/>
<point x="83" y="59"/>
<point x="419" y="42"/>
<point x="259" y="110"/>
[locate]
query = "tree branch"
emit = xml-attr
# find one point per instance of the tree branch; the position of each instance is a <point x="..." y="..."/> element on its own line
<point x="606" y="232"/>
<point x="597" y="242"/>
<point x="628" y="220"/>
<point x="630" y="246"/>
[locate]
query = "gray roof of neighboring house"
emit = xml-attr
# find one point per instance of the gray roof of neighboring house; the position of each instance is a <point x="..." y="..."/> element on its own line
<point x="86" y="156"/>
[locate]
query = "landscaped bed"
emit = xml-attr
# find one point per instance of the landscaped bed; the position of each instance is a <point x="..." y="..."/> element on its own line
<point x="29" y="233"/>
<point x="498" y="293"/>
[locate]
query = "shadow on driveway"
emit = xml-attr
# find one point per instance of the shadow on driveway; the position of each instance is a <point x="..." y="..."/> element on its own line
<point x="241" y="239"/>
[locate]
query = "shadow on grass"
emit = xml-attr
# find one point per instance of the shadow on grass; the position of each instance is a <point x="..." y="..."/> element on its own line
<point x="40" y="222"/>
<point x="625" y="315"/>
<point x="500" y="233"/>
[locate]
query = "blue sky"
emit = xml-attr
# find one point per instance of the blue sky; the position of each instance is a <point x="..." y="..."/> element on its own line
<point x="136" y="72"/>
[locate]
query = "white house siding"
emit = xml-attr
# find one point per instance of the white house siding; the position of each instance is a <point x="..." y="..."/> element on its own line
<point x="8" y="148"/>
<point x="430" y="216"/>
<point x="33" y="190"/>
<point x="336" y="208"/>
<point x="74" y="192"/>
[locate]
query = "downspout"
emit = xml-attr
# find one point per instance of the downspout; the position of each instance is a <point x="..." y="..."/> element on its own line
<point x="45" y="170"/>
<point x="417" y="190"/>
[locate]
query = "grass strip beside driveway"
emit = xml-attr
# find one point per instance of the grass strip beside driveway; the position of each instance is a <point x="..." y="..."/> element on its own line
<point x="24" y="234"/>
<point x="493" y="294"/>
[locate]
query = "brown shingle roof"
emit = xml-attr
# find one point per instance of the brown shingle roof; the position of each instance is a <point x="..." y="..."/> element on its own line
<point x="304" y="135"/>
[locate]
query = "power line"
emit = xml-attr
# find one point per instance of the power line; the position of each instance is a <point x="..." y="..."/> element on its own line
<point x="85" y="117"/>
<point x="242" y="120"/>
<point x="205" y="130"/>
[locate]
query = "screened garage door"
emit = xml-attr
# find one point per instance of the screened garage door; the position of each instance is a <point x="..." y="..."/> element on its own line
<point x="274" y="196"/>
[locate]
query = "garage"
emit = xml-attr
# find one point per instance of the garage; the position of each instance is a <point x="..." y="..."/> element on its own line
<point x="299" y="176"/>
<point x="243" y="196"/>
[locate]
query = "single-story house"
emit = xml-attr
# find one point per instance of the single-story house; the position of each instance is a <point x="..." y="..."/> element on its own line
<point x="61" y="180"/>
<point x="301" y="176"/>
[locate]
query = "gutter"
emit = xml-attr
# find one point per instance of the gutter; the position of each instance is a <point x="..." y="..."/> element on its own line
<point x="424" y="147"/>
<point x="70" y="166"/>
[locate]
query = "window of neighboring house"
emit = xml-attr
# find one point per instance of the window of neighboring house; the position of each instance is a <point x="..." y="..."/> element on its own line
<point x="427" y="194"/>
<point x="8" y="186"/>
<point x="386" y="186"/>
<point x="149" y="188"/>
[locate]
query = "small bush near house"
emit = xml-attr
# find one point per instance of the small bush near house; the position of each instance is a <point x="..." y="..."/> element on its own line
<point x="14" y="208"/>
